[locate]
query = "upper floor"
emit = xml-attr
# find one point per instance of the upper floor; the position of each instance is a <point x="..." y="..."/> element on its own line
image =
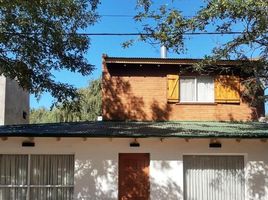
<point x="146" y="89"/>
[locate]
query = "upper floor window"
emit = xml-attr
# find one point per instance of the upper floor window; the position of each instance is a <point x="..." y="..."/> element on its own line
<point x="197" y="89"/>
<point x="218" y="89"/>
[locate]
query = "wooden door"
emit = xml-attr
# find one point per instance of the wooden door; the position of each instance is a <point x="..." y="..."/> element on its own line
<point x="134" y="176"/>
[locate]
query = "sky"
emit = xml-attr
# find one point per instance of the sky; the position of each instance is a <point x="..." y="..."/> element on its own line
<point x="197" y="46"/>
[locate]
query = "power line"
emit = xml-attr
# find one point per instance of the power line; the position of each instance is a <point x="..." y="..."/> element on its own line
<point x="132" y="34"/>
<point x="149" y="34"/>
<point x="126" y="16"/>
<point x="117" y="16"/>
<point x="114" y="34"/>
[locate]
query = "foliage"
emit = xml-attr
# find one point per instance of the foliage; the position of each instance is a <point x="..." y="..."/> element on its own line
<point x="87" y="108"/>
<point x="39" y="37"/>
<point x="167" y="26"/>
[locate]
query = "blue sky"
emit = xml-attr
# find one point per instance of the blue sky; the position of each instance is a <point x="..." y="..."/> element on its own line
<point x="197" y="46"/>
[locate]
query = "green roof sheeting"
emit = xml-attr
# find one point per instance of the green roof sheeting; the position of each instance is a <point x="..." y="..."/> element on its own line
<point x="139" y="129"/>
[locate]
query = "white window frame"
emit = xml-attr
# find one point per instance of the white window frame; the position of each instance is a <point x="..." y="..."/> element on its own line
<point x="196" y="89"/>
<point x="28" y="186"/>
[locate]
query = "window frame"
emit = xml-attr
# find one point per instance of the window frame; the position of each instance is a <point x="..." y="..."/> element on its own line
<point x="196" y="89"/>
<point x="28" y="186"/>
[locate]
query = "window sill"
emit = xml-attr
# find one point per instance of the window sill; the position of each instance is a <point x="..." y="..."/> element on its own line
<point x="196" y="103"/>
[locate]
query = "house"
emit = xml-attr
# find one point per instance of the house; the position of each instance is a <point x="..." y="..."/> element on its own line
<point x="157" y="141"/>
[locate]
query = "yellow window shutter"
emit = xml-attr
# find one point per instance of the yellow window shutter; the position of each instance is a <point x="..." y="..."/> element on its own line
<point x="172" y="88"/>
<point x="227" y="89"/>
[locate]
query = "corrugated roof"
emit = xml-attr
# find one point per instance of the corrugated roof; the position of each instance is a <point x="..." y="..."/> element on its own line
<point x="166" y="61"/>
<point x="139" y="129"/>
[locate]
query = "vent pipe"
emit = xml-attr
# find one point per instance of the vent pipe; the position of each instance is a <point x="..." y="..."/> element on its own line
<point x="163" y="51"/>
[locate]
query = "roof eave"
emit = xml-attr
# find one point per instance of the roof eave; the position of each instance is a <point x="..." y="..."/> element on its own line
<point x="83" y="135"/>
<point x="164" y="61"/>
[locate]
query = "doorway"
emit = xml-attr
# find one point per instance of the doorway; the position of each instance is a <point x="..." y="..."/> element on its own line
<point x="134" y="176"/>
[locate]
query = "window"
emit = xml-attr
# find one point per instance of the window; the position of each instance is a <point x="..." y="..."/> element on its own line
<point x="220" y="89"/>
<point x="214" y="177"/>
<point x="196" y="89"/>
<point x="13" y="176"/>
<point x="36" y="177"/>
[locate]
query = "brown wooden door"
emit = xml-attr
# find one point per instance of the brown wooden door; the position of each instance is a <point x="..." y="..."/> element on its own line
<point x="134" y="176"/>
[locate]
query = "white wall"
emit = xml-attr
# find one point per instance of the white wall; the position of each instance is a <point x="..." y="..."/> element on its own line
<point x="2" y="99"/>
<point x="96" y="163"/>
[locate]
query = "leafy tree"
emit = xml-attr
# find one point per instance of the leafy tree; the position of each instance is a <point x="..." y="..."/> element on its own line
<point x="42" y="115"/>
<point x="36" y="115"/>
<point x="86" y="108"/>
<point x="167" y="26"/>
<point x="41" y="36"/>
<point x="91" y="102"/>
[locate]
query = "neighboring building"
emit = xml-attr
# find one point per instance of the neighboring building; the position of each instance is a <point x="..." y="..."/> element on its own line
<point x="150" y="153"/>
<point x="14" y="103"/>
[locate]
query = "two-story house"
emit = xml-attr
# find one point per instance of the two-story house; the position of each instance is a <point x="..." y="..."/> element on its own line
<point x="166" y="133"/>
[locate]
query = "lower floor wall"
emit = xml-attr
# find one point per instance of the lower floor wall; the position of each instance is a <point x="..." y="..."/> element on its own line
<point x="96" y="163"/>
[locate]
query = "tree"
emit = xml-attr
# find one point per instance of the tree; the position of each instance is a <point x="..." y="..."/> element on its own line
<point x="43" y="115"/>
<point x="41" y="36"/>
<point x="86" y="108"/>
<point x="222" y="16"/>
<point x="91" y="102"/>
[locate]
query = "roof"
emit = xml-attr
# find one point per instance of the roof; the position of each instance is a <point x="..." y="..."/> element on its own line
<point x="166" y="61"/>
<point x="139" y="129"/>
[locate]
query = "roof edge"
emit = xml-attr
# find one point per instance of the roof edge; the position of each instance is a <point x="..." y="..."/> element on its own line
<point x="169" y="61"/>
<point x="134" y="136"/>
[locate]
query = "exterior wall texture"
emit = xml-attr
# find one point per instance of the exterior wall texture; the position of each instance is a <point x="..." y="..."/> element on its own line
<point x="132" y="92"/>
<point x="2" y="99"/>
<point x="96" y="163"/>
<point x="14" y="103"/>
<point x="17" y="103"/>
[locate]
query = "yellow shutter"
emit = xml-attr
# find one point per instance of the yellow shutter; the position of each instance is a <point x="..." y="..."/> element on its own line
<point x="227" y="89"/>
<point x="172" y="88"/>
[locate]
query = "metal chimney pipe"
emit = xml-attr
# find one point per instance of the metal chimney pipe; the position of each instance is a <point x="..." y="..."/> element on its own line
<point x="163" y="51"/>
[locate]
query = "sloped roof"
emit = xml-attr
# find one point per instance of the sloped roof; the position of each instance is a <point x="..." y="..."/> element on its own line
<point x="139" y="129"/>
<point x="166" y="61"/>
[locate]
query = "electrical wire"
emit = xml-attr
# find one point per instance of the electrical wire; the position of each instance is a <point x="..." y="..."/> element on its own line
<point x="132" y="34"/>
<point x="149" y="34"/>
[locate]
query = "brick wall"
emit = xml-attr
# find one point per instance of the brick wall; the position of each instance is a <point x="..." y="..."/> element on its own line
<point x="134" y="92"/>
